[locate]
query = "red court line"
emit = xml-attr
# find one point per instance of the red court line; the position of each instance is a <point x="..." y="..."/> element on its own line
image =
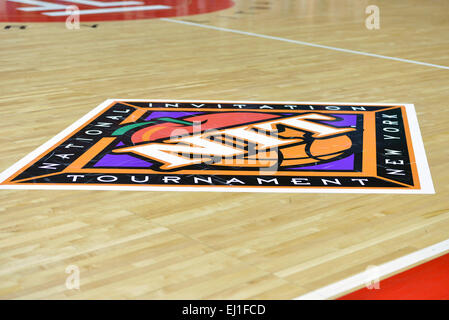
<point x="428" y="281"/>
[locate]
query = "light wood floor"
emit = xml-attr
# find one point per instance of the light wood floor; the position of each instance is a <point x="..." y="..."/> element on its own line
<point x="158" y="245"/>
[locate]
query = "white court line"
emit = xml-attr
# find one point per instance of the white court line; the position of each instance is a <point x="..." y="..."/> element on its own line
<point x="343" y="286"/>
<point x="305" y="43"/>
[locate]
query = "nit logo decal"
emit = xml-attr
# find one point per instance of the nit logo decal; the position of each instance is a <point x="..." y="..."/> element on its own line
<point x="95" y="10"/>
<point x="232" y="146"/>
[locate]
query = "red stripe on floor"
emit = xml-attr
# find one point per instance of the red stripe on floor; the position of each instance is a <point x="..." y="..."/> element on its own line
<point x="428" y="281"/>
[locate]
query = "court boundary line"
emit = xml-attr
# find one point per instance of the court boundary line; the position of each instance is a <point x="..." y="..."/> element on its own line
<point x="309" y="44"/>
<point x="341" y="287"/>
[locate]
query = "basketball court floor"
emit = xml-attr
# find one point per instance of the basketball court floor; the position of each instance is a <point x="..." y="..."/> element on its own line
<point x="216" y="245"/>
